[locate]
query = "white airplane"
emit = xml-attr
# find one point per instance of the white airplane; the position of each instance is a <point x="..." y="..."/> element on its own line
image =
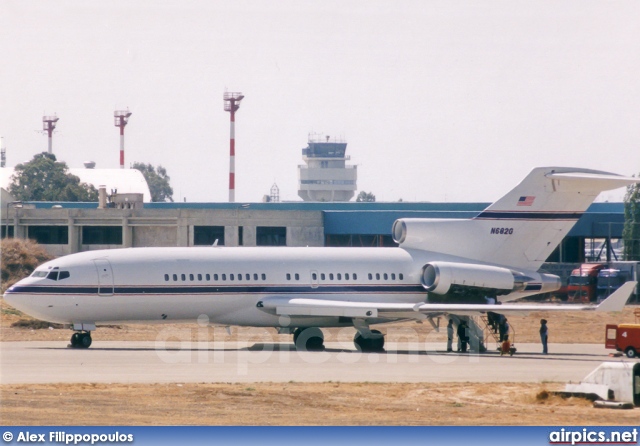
<point x="442" y="266"/>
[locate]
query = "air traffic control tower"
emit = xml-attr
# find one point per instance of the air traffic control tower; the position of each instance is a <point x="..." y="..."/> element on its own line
<point x="326" y="177"/>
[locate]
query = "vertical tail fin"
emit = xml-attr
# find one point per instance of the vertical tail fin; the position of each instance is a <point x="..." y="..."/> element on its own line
<point x="522" y="228"/>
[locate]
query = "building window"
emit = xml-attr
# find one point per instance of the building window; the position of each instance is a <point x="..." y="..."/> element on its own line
<point x="102" y="235"/>
<point x="271" y="236"/>
<point x="49" y="235"/>
<point x="240" y="234"/>
<point x="207" y="235"/>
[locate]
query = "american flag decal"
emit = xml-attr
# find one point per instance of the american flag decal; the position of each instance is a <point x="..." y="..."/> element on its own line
<point x="526" y="201"/>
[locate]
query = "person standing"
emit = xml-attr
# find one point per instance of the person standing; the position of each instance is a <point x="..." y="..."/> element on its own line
<point x="544" y="335"/>
<point x="462" y="336"/>
<point x="450" y="336"/>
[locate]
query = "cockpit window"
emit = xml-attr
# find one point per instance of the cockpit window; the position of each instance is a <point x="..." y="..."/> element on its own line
<point x="56" y="275"/>
<point x="39" y="274"/>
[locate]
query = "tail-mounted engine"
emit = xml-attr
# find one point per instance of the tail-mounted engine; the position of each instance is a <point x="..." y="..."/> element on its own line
<point x="449" y="277"/>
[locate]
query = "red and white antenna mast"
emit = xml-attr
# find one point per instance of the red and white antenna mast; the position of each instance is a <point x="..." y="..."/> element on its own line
<point x="49" y="125"/>
<point x="121" y="119"/>
<point x="232" y="104"/>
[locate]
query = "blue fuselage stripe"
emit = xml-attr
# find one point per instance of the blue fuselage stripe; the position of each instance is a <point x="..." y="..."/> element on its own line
<point x="203" y="289"/>
<point x="519" y="215"/>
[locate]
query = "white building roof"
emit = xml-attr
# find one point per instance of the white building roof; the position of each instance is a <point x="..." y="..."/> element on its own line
<point x="126" y="181"/>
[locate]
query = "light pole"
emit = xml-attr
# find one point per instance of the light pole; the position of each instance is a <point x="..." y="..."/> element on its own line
<point x="11" y="203"/>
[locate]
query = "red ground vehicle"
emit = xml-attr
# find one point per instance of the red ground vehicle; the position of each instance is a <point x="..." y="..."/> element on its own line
<point x="624" y="338"/>
<point x="582" y="286"/>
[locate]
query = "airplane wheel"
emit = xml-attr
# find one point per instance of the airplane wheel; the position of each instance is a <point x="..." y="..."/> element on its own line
<point x="631" y="352"/>
<point x="85" y="340"/>
<point x="369" y="344"/>
<point x="309" y="339"/>
<point x="75" y="340"/>
<point x="296" y="334"/>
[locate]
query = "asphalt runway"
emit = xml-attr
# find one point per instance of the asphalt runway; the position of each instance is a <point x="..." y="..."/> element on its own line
<point x="181" y="362"/>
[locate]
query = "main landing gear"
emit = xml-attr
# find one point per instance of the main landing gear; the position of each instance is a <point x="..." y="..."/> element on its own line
<point x="81" y="339"/>
<point x="312" y="339"/>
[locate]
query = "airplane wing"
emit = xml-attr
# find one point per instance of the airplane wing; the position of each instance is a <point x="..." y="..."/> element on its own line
<point x="321" y="307"/>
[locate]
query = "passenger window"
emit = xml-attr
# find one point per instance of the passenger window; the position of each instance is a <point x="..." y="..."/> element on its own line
<point x="183" y="277"/>
<point x="239" y="276"/>
<point x="175" y="277"/>
<point x="247" y="276"/>
<point x="288" y="276"/>
<point x="166" y="277"/>
<point x="231" y="277"/>
<point x="322" y="276"/>
<point x="191" y="277"/>
<point x="370" y="276"/>
<point x="377" y="276"/>
<point x="386" y="277"/>
<point x="297" y="276"/>
<point x="199" y="276"/>
<point x="339" y="276"/>
<point x="330" y="276"/>
<point x="393" y="276"/>
<point x="264" y="276"/>
<point x="400" y="276"/>
<point x="355" y="276"/>
<point x="224" y="277"/>
<point x="346" y="276"/>
<point x="314" y="276"/>
<point x="255" y="276"/>
<point x="208" y="277"/>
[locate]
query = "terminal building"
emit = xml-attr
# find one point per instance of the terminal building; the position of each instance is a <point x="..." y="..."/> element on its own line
<point x="65" y="228"/>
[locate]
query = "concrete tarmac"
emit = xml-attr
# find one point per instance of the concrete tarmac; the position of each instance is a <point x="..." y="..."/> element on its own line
<point x="168" y="362"/>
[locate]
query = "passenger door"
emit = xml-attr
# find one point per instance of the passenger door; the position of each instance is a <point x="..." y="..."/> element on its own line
<point x="105" y="277"/>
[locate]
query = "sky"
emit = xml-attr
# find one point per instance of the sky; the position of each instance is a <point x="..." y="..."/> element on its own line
<point x="449" y="100"/>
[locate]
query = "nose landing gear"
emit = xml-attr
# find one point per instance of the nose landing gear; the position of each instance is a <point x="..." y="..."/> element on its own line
<point x="81" y="340"/>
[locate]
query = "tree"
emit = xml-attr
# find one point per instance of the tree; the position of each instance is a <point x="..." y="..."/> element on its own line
<point x="631" y="231"/>
<point x="365" y="196"/>
<point x="45" y="179"/>
<point x="158" y="181"/>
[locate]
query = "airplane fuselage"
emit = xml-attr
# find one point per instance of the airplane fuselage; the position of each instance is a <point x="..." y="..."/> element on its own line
<point x="149" y="285"/>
